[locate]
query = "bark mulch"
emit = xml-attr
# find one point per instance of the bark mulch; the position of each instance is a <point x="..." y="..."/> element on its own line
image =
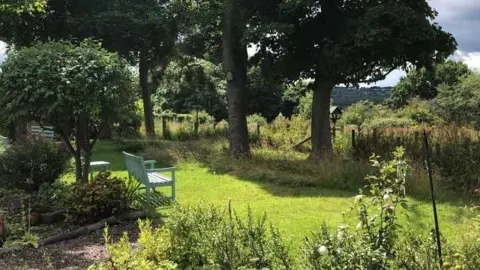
<point x="77" y="253"/>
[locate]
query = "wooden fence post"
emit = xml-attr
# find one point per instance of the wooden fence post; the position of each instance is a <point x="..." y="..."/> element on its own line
<point x="164" y="128"/>
<point x="354" y="143"/>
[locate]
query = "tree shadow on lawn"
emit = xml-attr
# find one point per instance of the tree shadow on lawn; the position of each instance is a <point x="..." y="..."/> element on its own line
<point x="278" y="175"/>
<point x="304" y="178"/>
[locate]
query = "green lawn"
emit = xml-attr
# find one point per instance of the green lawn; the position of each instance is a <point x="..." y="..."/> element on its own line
<point x="296" y="211"/>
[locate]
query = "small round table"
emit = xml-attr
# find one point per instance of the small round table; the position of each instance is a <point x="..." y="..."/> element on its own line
<point x="101" y="165"/>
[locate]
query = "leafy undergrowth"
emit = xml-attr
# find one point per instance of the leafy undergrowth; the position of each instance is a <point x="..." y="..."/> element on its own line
<point x="296" y="195"/>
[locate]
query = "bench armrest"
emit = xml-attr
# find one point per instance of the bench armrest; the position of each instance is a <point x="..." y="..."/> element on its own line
<point x="150" y="163"/>
<point x="162" y="169"/>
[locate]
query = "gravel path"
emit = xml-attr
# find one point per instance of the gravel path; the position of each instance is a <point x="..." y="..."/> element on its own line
<point x="77" y="253"/>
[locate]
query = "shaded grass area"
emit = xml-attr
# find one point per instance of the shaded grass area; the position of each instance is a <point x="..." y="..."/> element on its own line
<point x="297" y="196"/>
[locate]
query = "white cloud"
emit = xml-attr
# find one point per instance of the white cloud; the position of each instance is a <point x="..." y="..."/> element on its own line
<point x="471" y="59"/>
<point x="391" y="78"/>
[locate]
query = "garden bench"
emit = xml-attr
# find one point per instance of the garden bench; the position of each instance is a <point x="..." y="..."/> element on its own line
<point x="151" y="178"/>
<point x="46" y="132"/>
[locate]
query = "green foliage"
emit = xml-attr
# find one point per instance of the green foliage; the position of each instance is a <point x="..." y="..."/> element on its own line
<point x="129" y="124"/>
<point x="391" y="122"/>
<point x="420" y="111"/>
<point x="371" y="243"/>
<point x="198" y="85"/>
<point x="304" y="108"/>
<point x="19" y="230"/>
<point x="358" y="114"/>
<point x="21" y="6"/>
<point x="292" y="96"/>
<point x="256" y="119"/>
<point x="348" y="33"/>
<point x="461" y="103"/>
<point x="152" y="255"/>
<point x="51" y="197"/>
<point x="423" y="83"/>
<point x="204" y="238"/>
<point x="61" y="80"/>
<point x="100" y="198"/>
<point x="28" y="164"/>
<point x="265" y="94"/>
<point x="73" y="87"/>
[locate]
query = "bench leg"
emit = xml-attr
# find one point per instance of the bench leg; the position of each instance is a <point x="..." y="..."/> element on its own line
<point x="173" y="185"/>
<point x="147" y="195"/>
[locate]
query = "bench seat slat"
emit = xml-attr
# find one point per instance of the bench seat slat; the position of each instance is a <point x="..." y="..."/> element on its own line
<point x="158" y="179"/>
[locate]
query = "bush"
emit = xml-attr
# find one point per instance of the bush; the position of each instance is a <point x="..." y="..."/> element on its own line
<point x="50" y="197"/>
<point x="29" y="164"/>
<point x="101" y="198"/>
<point x="371" y="243"/>
<point x="129" y="125"/>
<point x="203" y="238"/>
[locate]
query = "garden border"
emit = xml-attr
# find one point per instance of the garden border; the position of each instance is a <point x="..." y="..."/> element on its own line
<point x="80" y="231"/>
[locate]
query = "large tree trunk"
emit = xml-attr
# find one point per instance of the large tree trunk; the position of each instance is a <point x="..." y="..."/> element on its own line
<point x="17" y="130"/>
<point x="235" y="65"/>
<point x="146" y="95"/>
<point x="321" y="136"/>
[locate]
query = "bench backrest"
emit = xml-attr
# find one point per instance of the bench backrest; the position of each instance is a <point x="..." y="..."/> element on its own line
<point x="39" y="131"/>
<point x="136" y="167"/>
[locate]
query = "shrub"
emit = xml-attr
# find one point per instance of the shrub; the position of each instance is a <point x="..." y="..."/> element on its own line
<point x="128" y="125"/>
<point x="101" y="198"/>
<point x="50" y="197"/>
<point x="371" y="243"/>
<point x="29" y="164"/>
<point x="257" y="119"/>
<point x="203" y="238"/>
<point x="152" y="255"/>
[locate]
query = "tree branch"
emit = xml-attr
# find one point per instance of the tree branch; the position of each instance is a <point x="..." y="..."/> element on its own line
<point x="378" y="78"/>
<point x="67" y="142"/>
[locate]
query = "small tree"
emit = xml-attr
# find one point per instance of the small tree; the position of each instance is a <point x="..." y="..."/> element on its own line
<point x="358" y="114"/>
<point x="76" y="88"/>
<point x="460" y="103"/>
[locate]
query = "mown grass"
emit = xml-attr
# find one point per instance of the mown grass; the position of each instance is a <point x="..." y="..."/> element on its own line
<point x="298" y="196"/>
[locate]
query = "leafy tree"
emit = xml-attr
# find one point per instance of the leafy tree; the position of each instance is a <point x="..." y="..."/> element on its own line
<point x="358" y="114"/>
<point x="304" y="107"/>
<point x="264" y="94"/>
<point x="193" y="86"/>
<point x="20" y="6"/>
<point x="292" y="96"/>
<point x="423" y="82"/>
<point x="460" y="103"/>
<point x="76" y="88"/>
<point x="420" y="111"/>
<point x="144" y="32"/>
<point x="350" y="42"/>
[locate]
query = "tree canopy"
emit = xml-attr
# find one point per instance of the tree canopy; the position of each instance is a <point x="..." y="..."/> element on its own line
<point x="197" y="85"/>
<point x="461" y="103"/>
<point x="76" y="88"/>
<point x="423" y="82"/>
<point x="350" y="42"/>
<point x="144" y="32"/>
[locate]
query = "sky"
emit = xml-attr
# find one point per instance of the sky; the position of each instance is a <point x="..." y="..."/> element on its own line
<point x="459" y="17"/>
